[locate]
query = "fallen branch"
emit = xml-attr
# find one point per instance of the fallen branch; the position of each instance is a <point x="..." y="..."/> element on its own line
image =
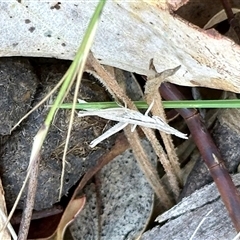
<point x="210" y="154"/>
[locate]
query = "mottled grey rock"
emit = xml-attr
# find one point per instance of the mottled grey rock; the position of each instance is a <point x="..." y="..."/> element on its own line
<point x="16" y="149"/>
<point x="127" y="201"/>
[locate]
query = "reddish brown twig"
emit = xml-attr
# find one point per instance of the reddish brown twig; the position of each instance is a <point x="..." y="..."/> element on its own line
<point x="228" y="9"/>
<point x="210" y="154"/>
<point x="231" y="19"/>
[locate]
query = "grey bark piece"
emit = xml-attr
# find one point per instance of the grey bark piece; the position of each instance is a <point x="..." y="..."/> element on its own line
<point x="55" y="30"/>
<point x="127" y="200"/>
<point x="181" y="221"/>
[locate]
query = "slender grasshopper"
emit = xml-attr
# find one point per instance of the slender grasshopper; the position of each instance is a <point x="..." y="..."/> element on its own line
<point x="127" y="116"/>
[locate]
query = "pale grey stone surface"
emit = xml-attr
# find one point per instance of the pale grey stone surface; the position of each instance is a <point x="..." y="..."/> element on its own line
<point x="182" y="220"/>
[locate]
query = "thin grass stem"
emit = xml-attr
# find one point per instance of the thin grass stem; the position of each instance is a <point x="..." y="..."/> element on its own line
<point x="227" y="103"/>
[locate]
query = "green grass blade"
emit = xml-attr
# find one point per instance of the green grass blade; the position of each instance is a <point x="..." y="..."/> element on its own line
<point x="81" y="59"/>
<point x="227" y="103"/>
<point x="82" y="51"/>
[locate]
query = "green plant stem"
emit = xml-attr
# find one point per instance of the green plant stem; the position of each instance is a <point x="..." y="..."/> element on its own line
<point x="230" y="103"/>
<point x="72" y="71"/>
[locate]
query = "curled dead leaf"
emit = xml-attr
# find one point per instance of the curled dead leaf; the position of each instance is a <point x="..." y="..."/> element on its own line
<point x="219" y="17"/>
<point x="73" y="209"/>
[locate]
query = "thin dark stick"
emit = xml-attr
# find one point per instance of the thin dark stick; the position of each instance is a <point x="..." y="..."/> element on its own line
<point x="228" y="9"/>
<point x="29" y="203"/>
<point x="210" y="154"/>
<point x="231" y="19"/>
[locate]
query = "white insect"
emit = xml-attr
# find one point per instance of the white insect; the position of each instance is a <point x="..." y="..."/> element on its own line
<point x="127" y="116"/>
